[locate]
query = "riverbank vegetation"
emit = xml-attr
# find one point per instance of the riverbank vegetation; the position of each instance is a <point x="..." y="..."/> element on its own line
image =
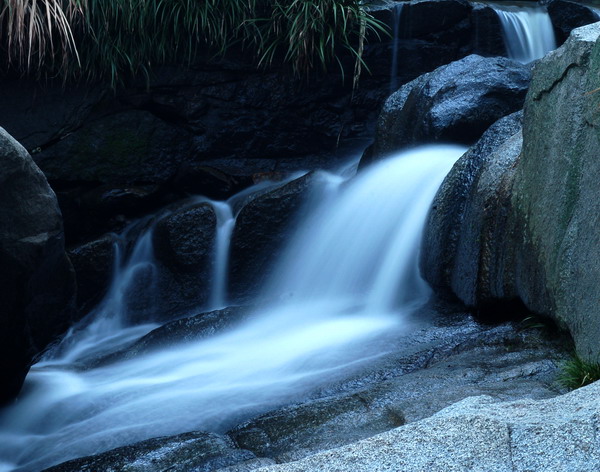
<point x="112" y="40"/>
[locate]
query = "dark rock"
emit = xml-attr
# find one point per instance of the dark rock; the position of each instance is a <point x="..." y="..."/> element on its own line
<point x="192" y="328"/>
<point x="208" y="181"/>
<point x="566" y="16"/>
<point x="197" y="451"/>
<point x="94" y="264"/>
<point x="488" y="37"/>
<point x="448" y="222"/>
<point x="529" y="227"/>
<point x="37" y="284"/>
<point x="184" y="249"/>
<point x="40" y="114"/>
<point x="125" y="148"/>
<point x="456" y="103"/>
<point x="262" y="227"/>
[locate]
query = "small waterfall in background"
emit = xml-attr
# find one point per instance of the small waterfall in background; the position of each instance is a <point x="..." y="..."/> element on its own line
<point x="350" y="276"/>
<point x="528" y="32"/>
<point x="396" y="18"/>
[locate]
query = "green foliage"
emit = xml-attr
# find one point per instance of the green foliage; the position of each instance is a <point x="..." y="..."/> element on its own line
<point x="102" y="39"/>
<point x="576" y="373"/>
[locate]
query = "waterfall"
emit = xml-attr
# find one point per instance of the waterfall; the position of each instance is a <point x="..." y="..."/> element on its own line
<point x="528" y="32"/>
<point x="348" y="277"/>
<point x="396" y="18"/>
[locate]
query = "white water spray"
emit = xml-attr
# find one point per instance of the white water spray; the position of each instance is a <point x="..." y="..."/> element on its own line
<point x="350" y="274"/>
<point x="528" y="32"/>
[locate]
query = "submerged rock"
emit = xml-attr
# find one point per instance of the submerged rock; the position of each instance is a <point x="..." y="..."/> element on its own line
<point x="184" y="330"/>
<point x="457" y="102"/>
<point x="37" y="283"/>
<point x="197" y="451"/>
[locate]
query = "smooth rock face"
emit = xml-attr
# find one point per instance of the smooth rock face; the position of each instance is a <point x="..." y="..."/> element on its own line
<point x="183" y="243"/>
<point x="261" y="230"/>
<point x="37" y="284"/>
<point x="478" y="434"/>
<point x="459" y="247"/>
<point x="93" y="263"/>
<point x="457" y="102"/>
<point x="197" y="451"/>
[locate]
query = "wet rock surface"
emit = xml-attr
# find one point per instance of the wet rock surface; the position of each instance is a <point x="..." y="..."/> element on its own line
<point x="197" y="451"/>
<point x="528" y="231"/>
<point x="184" y="330"/>
<point x="37" y="283"/>
<point x="183" y="242"/>
<point x="442" y="357"/>
<point x="262" y="227"/>
<point x="454" y="243"/>
<point x="456" y="103"/>
<point x="94" y="264"/>
<point x="424" y="372"/>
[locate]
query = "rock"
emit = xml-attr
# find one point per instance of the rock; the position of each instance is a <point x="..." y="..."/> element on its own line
<point x="184" y="249"/>
<point x="94" y="264"/>
<point x="126" y="148"/>
<point x="529" y="228"/>
<point x="453" y="249"/>
<point x="456" y="103"/>
<point x="555" y="194"/>
<point x="208" y="181"/>
<point x="37" y="284"/>
<point x="424" y="372"/>
<point x="262" y="227"/>
<point x="192" y="328"/>
<point x="479" y="434"/>
<point x="197" y="451"/>
<point x="488" y="39"/>
<point x="567" y="15"/>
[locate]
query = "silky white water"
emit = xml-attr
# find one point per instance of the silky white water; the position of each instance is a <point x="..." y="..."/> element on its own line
<point x="396" y="18"/>
<point x="349" y="276"/>
<point x="528" y="32"/>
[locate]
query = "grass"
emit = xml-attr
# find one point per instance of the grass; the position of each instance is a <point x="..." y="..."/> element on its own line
<point x="114" y="39"/>
<point x="576" y="373"/>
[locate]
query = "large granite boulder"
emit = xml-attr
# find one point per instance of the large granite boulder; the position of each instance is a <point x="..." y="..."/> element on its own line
<point x="456" y="103"/>
<point x="529" y="229"/>
<point x="37" y="284"/>
<point x="555" y="195"/>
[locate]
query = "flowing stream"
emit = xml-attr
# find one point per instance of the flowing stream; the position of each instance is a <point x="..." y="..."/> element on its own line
<point x="396" y="26"/>
<point x="528" y="32"/>
<point x="349" y="276"/>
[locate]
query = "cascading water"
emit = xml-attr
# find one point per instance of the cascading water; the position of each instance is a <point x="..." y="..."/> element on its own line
<point x="396" y="19"/>
<point x="349" y="275"/>
<point x="528" y="32"/>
